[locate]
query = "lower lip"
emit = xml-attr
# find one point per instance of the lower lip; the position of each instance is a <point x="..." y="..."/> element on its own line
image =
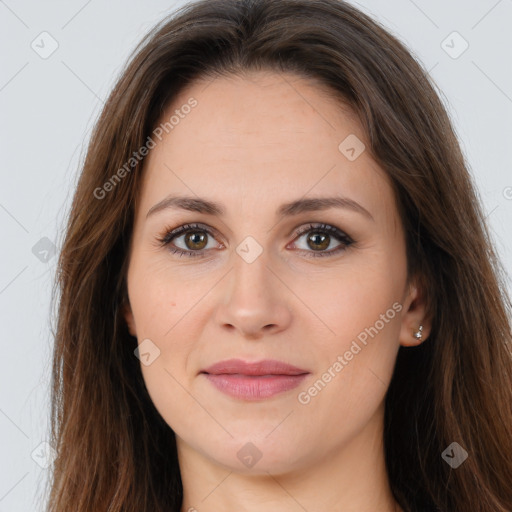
<point x="256" y="387"/>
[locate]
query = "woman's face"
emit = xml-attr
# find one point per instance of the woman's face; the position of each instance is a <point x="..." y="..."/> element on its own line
<point x="300" y="260"/>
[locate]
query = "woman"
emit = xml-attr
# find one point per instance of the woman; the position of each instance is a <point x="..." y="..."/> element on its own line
<point x="277" y="289"/>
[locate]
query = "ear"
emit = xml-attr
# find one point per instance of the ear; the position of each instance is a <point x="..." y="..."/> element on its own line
<point x="128" y="316"/>
<point x="414" y="315"/>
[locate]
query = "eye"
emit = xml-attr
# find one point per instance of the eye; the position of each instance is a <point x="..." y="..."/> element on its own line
<point x="193" y="240"/>
<point x="320" y="237"/>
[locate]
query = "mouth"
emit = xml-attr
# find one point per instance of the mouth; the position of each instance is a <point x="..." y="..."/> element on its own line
<point x="254" y="381"/>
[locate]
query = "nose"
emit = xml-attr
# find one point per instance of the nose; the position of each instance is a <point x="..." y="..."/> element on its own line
<point x="253" y="300"/>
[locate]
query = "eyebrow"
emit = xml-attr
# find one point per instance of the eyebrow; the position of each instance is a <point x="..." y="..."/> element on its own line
<point x="200" y="205"/>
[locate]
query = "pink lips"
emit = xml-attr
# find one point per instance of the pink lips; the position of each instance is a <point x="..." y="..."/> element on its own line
<point x="254" y="381"/>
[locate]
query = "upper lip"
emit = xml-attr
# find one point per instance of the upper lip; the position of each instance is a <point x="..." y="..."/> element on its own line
<point x="263" y="367"/>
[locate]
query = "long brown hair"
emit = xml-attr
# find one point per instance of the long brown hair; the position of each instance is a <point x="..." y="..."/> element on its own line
<point x="115" y="452"/>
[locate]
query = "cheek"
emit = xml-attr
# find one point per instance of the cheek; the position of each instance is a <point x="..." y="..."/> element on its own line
<point x="357" y="354"/>
<point x="166" y="305"/>
<point x="160" y="295"/>
<point x="354" y="371"/>
<point x="360" y="295"/>
<point x="162" y="313"/>
<point x="357" y="357"/>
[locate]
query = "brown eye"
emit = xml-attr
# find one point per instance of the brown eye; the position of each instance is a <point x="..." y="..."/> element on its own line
<point x="189" y="240"/>
<point x="196" y="240"/>
<point x="314" y="240"/>
<point x="318" y="241"/>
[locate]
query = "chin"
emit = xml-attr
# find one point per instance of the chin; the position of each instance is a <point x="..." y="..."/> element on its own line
<point x="252" y="455"/>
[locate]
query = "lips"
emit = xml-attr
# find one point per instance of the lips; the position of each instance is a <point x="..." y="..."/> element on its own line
<point x="256" y="380"/>
<point x="265" y="367"/>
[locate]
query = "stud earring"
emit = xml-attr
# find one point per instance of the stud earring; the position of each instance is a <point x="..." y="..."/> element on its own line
<point x="419" y="333"/>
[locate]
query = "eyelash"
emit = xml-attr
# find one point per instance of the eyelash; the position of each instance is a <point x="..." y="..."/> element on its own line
<point x="169" y="235"/>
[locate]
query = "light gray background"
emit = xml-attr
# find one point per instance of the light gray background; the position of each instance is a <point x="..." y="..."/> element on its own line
<point x="49" y="106"/>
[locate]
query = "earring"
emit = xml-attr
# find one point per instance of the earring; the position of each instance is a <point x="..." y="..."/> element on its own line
<point x="419" y="333"/>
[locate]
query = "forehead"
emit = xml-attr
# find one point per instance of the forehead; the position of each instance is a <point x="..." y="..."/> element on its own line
<point x="265" y="135"/>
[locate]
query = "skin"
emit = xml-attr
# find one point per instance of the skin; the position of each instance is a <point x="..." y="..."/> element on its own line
<point x="252" y="143"/>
